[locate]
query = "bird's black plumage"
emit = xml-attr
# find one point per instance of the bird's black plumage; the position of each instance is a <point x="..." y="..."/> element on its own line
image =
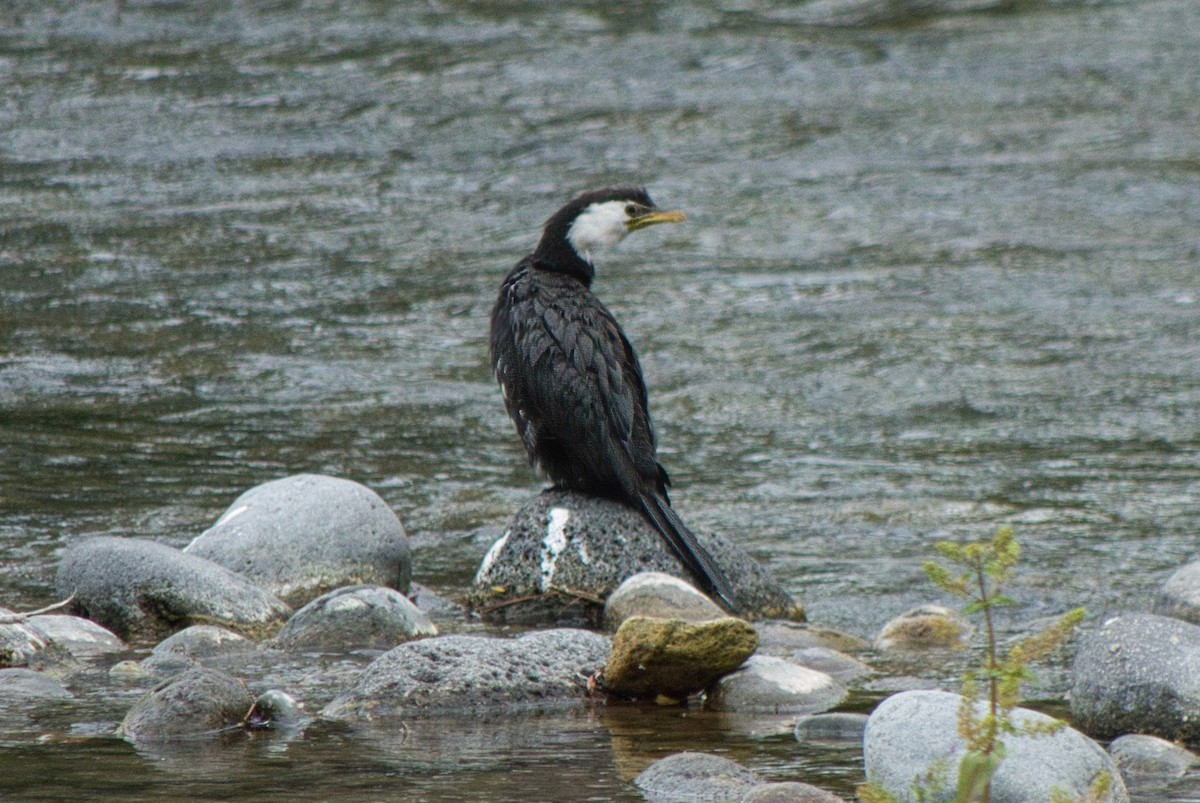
<point x="571" y="379"/>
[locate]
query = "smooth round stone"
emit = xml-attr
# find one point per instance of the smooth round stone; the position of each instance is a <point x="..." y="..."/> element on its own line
<point x="355" y="617"/>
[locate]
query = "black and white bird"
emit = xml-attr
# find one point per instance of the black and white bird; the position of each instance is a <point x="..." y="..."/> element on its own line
<point x="571" y="380"/>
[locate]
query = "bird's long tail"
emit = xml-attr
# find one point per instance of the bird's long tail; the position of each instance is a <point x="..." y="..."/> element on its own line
<point x="685" y="546"/>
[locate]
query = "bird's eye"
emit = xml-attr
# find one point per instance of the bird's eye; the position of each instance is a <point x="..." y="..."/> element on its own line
<point x="632" y="210"/>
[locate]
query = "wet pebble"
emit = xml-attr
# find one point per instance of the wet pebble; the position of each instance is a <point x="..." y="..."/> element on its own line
<point x="277" y="710"/>
<point x="199" y="702"/>
<point x="304" y="535"/>
<point x="142" y="589"/>
<point x="545" y="670"/>
<point x="1144" y="756"/>
<point x="79" y="636"/>
<point x="674" y="659"/>
<point x="910" y="732"/>
<point x="1138" y="673"/>
<point x="694" y="776"/>
<point x="838" y="728"/>
<point x="564" y="553"/>
<point x="1179" y="596"/>
<point x="768" y="685"/>
<point x="18" y="684"/>
<point x="660" y="596"/>
<point x="355" y="617"/>
<point x="926" y="627"/>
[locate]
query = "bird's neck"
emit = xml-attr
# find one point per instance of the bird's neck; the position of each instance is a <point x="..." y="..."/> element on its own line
<point x="557" y="255"/>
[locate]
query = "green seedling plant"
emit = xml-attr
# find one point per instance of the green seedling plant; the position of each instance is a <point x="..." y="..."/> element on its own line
<point x="978" y="573"/>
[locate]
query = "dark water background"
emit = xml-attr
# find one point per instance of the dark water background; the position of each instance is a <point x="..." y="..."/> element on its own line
<point x="939" y="275"/>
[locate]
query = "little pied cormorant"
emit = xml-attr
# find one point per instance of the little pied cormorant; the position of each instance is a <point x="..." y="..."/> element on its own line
<point x="571" y="380"/>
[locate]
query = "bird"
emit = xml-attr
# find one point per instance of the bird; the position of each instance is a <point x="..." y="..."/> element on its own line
<point x="571" y="380"/>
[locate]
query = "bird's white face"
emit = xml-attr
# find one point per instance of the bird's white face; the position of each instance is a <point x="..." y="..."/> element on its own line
<point x="600" y="226"/>
<point x="606" y="223"/>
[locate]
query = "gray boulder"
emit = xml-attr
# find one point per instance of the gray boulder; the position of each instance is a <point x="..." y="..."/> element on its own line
<point x="542" y="671"/>
<point x="789" y="792"/>
<point x="1138" y="673"/>
<point x="140" y="589"/>
<point x="185" y="649"/>
<point x="564" y="553"/>
<point x="199" y="702"/>
<point x="911" y="733"/>
<point x="768" y="685"/>
<point x="355" y="617"/>
<point x="304" y="535"/>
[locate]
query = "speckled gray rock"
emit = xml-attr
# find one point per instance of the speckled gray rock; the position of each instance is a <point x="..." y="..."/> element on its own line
<point x="19" y="685"/>
<point x="1179" y="596"/>
<point x="1144" y="756"/>
<point x="79" y="636"/>
<point x="926" y="627"/>
<point x="355" y="617"/>
<point x="768" y="685"/>
<point x="183" y="650"/>
<point x="839" y="666"/>
<point x="911" y="731"/>
<point x="695" y="777"/>
<point x="199" y="702"/>
<point x="141" y="589"/>
<point x="564" y="549"/>
<point x="304" y="535"/>
<point x="1138" y="673"/>
<point x="660" y="596"/>
<point x="541" y="671"/>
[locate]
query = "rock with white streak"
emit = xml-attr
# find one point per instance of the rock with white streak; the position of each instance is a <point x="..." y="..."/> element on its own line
<point x="565" y="553"/>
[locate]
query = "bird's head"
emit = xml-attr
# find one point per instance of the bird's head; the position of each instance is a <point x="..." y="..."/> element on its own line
<point x="598" y="219"/>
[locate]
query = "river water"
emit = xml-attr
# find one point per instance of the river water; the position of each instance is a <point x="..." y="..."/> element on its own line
<point x="939" y="275"/>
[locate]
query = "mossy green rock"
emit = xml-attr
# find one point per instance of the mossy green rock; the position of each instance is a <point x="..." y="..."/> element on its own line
<point x="673" y="658"/>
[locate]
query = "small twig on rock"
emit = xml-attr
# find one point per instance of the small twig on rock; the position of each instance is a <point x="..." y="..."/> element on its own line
<point x="17" y="618"/>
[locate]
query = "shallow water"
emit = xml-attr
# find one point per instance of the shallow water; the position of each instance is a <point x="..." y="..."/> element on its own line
<point x="939" y="275"/>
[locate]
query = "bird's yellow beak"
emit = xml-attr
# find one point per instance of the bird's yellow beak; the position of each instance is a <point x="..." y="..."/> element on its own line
<point x="650" y="218"/>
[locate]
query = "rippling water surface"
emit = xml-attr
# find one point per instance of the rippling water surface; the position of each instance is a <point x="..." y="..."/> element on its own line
<point x="939" y="275"/>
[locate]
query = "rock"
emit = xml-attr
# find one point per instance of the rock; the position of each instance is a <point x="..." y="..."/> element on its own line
<point x="79" y="636"/>
<point x="659" y="596"/>
<point x="914" y="732"/>
<point x="781" y="639"/>
<point x="140" y="589"/>
<point x="24" y="685"/>
<point x="789" y="792"/>
<point x="276" y="710"/>
<point x="841" y="667"/>
<point x="19" y="643"/>
<point x="541" y="671"/>
<point x="768" y="685"/>
<point x="566" y="552"/>
<point x="695" y="776"/>
<point x="840" y="728"/>
<point x="926" y="627"/>
<point x="304" y="535"/>
<point x="1138" y="673"/>
<point x="200" y="702"/>
<point x="200" y="641"/>
<point x="355" y="617"/>
<point x="672" y="658"/>
<point x="1179" y="596"/>
<point x="1149" y="756"/>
